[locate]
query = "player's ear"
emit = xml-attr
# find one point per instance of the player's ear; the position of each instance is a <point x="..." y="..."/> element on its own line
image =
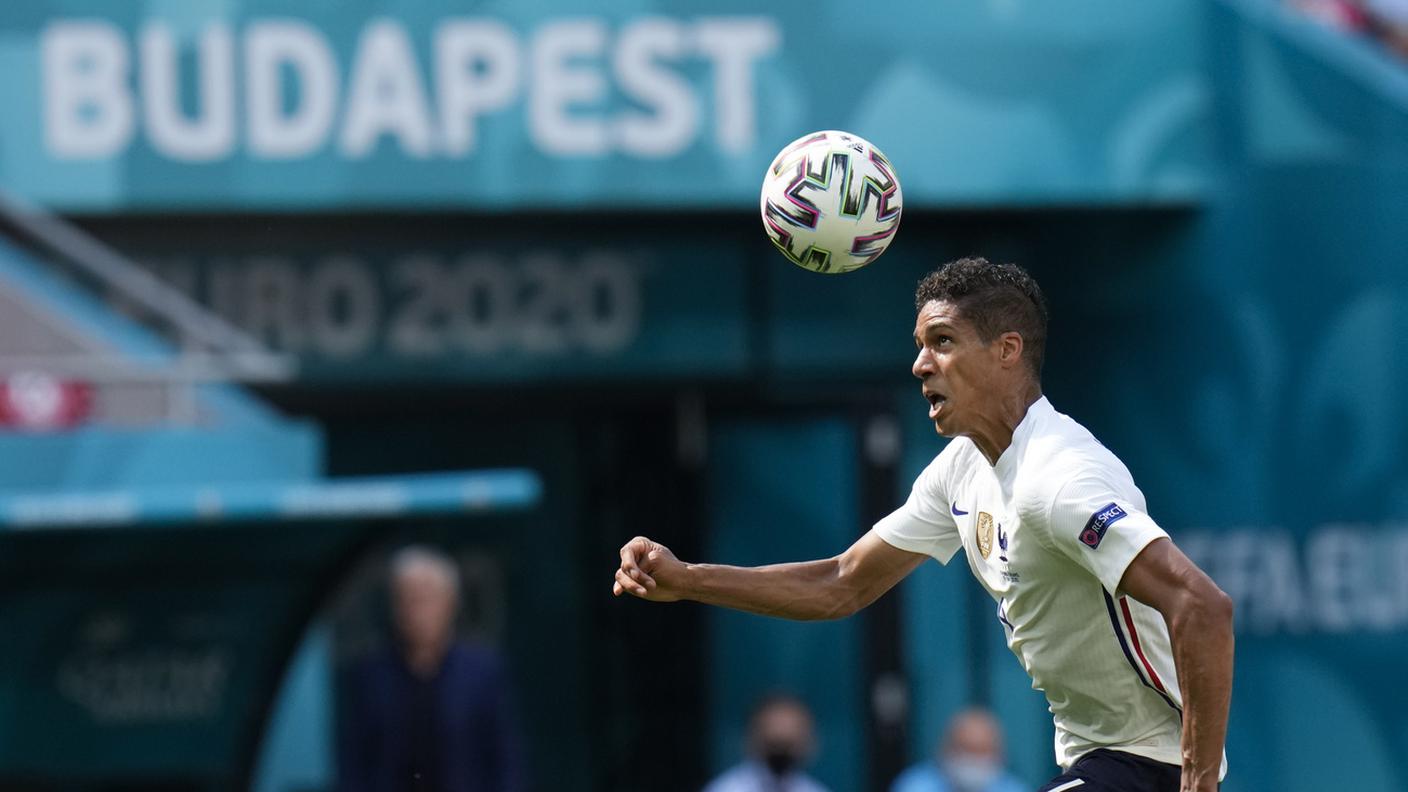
<point x="1009" y="349"/>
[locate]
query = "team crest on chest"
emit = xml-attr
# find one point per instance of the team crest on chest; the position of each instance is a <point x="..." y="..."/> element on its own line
<point x="984" y="533"/>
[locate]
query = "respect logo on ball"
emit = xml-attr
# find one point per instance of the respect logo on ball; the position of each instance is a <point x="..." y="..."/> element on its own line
<point x="831" y="202"/>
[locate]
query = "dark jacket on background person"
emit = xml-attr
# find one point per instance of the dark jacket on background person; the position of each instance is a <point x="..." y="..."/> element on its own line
<point x="453" y="732"/>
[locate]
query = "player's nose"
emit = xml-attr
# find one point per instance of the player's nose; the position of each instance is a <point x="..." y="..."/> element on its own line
<point x="923" y="364"/>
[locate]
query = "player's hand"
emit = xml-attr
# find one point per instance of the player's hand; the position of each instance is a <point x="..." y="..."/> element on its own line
<point x="649" y="571"/>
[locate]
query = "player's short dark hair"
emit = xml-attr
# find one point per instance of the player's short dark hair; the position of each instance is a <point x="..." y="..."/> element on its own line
<point x="995" y="298"/>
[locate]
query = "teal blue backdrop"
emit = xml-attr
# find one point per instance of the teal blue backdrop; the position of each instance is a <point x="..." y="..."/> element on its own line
<point x="764" y="512"/>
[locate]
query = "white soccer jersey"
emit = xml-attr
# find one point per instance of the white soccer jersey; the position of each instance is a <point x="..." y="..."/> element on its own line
<point x="1049" y="531"/>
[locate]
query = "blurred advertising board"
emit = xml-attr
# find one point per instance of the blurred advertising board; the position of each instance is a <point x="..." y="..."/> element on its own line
<point x="394" y="302"/>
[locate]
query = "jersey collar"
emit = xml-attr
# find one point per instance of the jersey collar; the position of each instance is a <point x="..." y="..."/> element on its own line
<point x="1037" y="412"/>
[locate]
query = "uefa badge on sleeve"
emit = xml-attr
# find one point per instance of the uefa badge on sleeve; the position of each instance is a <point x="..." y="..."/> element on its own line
<point x="1094" y="531"/>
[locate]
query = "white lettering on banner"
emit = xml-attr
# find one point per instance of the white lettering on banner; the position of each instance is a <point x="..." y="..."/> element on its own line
<point x="1339" y="579"/>
<point x="674" y="120"/>
<point x="584" y="91"/>
<point x="734" y="45"/>
<point x="541" y="304"/>
<point x="385" y="95"/>
<point x="210" y="135"/>
<point x="476" y="71"/>
<point x="560" y="81"/>
<point x="270" y="47"/>
<point x="88" y="110"/>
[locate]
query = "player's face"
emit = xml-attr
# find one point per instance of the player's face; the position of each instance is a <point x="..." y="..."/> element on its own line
<point x="959" y="371"/>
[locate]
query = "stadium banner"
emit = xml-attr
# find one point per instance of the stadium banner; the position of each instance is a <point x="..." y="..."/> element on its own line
<point x="235" y="104"/>
<point x="493" y="308"/>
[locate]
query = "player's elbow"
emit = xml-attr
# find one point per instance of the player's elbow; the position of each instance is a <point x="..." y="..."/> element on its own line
<point x="1207" y="606"/>
<point x="841" y="606"/>
<point x="1219" y="605"/>
<point x="838" y="607"/>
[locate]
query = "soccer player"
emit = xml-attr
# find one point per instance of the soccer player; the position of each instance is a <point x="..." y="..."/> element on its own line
<point x="1129" y="640"/>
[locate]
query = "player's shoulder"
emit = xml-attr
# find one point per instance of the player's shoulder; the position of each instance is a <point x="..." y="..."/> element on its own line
<point x="951" y="464"/>
<point x="941" y="478"/>
<point x="957" y="455"/>
<point x="1062" y="441"/>
<point x="1061" y="452"/>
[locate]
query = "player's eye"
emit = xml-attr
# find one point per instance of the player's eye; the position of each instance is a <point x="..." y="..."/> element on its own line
<point x="943" y="339"/>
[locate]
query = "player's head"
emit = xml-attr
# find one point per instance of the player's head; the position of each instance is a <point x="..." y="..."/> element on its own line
<point x="425" y="585"/>
<point x="981" y="333"/>
<point x="780" y="733"/>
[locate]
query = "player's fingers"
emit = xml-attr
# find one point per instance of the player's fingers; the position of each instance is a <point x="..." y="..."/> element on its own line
<point x="637" y="556"/>
<point x="624" y="581"/>
<point x="630" y="551"/>
<point x="616" y="589"/>
<point x="644" y="578"/>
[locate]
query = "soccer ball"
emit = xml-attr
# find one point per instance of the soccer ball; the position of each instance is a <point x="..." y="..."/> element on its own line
<point x="831" y="202"/>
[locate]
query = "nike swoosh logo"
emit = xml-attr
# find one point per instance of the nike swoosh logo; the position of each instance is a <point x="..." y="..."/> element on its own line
<point x="957" y="512"/>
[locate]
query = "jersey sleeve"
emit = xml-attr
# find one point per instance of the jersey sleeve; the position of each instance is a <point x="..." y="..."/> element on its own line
<point x="1099" y="526"/>
<point x="923" y="524"/>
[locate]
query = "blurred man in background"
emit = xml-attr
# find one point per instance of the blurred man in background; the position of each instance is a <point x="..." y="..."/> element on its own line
<point x="970" y="759"/>
<point x="430" y="714"/>
<point x="780" y="744"/>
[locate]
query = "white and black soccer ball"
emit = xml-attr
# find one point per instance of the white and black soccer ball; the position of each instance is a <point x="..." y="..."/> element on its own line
<point x="831" y="202"/>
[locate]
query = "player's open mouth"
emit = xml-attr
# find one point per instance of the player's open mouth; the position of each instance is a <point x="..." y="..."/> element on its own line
<point x="935" y="402"/>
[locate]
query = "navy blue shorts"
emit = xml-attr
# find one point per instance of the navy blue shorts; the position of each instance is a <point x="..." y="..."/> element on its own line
<point x="1103" y="770"/>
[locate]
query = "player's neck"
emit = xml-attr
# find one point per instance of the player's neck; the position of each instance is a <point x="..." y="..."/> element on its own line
<point x="993" y="435"/>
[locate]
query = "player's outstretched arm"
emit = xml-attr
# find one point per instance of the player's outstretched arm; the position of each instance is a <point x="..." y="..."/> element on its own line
<point x="1199" y="617"/>
<point x="825" y="589"/>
